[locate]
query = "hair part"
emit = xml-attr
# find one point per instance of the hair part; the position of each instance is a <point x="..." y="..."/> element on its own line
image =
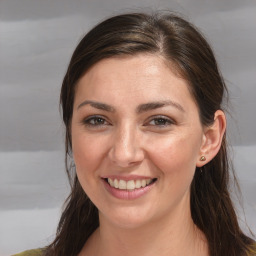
<point x="180" y="44"/>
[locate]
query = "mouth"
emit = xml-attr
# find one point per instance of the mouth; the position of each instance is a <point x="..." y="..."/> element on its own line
<point x="129" y="185"/>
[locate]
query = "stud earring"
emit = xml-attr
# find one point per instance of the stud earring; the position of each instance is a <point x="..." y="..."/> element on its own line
<point x="202" y="158"/>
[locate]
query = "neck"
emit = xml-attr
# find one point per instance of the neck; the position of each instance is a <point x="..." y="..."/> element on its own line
<point x="172" y="236"/>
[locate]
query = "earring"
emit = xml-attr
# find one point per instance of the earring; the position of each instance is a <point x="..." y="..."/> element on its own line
<point x="202" y="158"/>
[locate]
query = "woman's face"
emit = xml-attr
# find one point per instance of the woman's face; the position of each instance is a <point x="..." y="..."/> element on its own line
<point x="136" y="139"/>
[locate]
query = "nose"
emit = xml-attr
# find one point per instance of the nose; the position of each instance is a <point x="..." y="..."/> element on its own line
<point x="126" y="149"/>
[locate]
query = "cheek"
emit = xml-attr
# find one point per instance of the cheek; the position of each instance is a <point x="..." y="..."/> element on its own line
<point x="88" y="156"/>
<point x="175" y="156"/>
<point x="86" y="152"/>
<point x="175" y="162"/>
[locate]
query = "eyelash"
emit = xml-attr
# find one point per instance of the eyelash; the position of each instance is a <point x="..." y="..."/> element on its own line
<point x="166" y="121"/>
<point x="94" y="118"/>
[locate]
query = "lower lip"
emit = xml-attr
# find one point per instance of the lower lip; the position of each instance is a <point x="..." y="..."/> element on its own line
<point x="126" y="194"/>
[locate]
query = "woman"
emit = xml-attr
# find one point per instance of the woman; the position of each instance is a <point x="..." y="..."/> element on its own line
<point x="145" y="144"/>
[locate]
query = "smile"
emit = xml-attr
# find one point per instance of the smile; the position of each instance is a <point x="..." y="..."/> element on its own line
<point x="130" y="184"/>
<point x="128" y="189"/>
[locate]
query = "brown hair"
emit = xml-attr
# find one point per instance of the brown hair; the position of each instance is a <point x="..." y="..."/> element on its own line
<point x="180" y="43"/>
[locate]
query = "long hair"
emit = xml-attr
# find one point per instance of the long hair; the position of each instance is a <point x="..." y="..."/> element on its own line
<point x="181" y="44"/>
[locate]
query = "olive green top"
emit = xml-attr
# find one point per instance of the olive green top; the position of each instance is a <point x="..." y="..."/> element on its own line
<point x="37" y="252"/>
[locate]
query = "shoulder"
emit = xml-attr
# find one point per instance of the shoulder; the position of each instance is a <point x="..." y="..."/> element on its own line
<point x="36" y="252"/>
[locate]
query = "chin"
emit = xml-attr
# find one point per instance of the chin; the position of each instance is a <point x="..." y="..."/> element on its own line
<point x="126" y="218"/>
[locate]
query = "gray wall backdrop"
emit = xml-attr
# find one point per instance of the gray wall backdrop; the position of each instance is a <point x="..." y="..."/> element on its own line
<point x="36" y="42"/>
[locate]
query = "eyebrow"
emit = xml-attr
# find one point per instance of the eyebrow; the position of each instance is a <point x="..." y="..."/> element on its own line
<point x="140" y="109"/>
<point x="158" y="104"/>
<point x="98" y="105"/>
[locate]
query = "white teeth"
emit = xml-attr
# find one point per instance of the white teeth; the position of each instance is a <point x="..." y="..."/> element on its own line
<point x="137" y="184"/>
<point x="143" y="183"/>
<point x="130" y="185"/>
<point x="116" y="183"/>
<point x="111" y="182"/>
<point x="122" y="184"/>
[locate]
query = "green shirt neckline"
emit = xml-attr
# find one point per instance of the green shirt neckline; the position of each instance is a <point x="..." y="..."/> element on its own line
<point x="35" y="252"/>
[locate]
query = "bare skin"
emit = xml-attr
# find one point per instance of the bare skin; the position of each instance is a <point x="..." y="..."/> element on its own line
<point x="150" y="240"/>
<point x="134" y="119"/>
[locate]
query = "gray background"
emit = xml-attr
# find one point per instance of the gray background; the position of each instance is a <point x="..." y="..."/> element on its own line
<point x="36" y="42"/>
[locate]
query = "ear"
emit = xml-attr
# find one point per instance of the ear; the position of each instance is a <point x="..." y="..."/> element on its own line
<point x="212" y="139"/>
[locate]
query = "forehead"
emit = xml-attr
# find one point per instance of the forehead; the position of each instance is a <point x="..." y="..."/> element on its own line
<point x="132" y="79"/>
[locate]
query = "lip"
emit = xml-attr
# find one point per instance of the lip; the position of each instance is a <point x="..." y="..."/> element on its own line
<point x="126" y="194"/>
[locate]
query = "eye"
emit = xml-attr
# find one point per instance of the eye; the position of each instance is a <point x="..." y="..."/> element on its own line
<point x="95" y="121"/>
<point x="160" y="121"/>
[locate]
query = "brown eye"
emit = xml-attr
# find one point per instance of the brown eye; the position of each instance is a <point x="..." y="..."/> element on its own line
<point x="160" y="121"/>
<point x="95" y="121"/>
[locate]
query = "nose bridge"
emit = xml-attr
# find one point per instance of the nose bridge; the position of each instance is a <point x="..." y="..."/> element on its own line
<point x="126" y="149"/>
